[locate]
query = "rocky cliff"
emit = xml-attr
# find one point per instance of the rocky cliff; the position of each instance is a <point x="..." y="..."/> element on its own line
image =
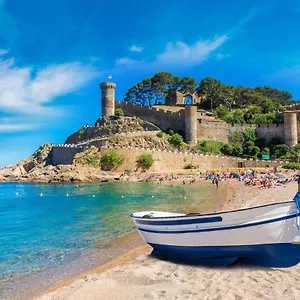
<point x="108" y="127"/>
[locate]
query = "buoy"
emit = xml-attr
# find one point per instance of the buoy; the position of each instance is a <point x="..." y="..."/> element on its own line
<point x="122" y="196"/>
<point x="93" y="195"/>
<point x="17" y="193"/>
<point x="41" y="194"/>
<point x="67" y="195"/>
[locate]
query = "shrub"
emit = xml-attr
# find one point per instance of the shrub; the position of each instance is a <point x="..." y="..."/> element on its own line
<point x="93" y="159"/>
<point x="119" y="113"/>
<point x="221" y="111"/>
<point x="110" y="160"/>
<point x="160" y="134"/>
<point x="237" y="150"/>
<point x="210" y="146"/>
<point x="227" y="149"/>
<point x="171" y="132"/>
<point x="292" y="165"/>
<point x="145" y="161"/>
<point x="176" y="140"/>
<point x="190" y="166"/>
<point x="281" y="150"/>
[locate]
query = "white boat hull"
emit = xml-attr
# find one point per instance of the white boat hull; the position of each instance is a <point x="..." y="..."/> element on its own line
<point x="264" y="235"/>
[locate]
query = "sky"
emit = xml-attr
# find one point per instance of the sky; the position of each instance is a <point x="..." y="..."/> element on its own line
<point x="54" y="54"/>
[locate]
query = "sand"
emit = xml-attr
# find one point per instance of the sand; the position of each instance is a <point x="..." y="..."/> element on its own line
<point x="136" y="275"/>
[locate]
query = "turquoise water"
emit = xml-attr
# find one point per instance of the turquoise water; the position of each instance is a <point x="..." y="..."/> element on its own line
<point x="46" y="229"/>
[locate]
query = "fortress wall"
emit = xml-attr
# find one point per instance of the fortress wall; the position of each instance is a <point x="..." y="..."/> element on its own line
<point x="162" y="118"/>
<point x="64" y="155"/>
<point x="168" y="161"/>
<point x="298" y="131"/>
<point x="212" y="131"/>
<point x="236" y="128"/>
<point x="269" y="131"/>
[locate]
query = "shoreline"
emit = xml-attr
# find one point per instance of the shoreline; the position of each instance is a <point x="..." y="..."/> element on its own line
<point x="138" y="261"/>
<point x="131" y="254"/>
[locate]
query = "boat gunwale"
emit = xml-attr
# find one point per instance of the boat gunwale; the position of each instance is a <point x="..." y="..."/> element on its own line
<point x="232" y="227"/>
<point x="193" y="215"/>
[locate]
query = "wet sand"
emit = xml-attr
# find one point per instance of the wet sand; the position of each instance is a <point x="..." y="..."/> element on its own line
<point x="137" y="275"/>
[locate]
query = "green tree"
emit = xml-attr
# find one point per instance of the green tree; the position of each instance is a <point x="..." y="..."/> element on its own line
<point x="281" y="150"/>
<point x="210" y="88"/>
<point x="145" y="161"/>
<point x="119" y="113"/>
<point x="227" y="149"/>
<point x="221" y="112"/>
<point x="251" y="112"/>
<point x="176" y="140"/>
<point x="237" y="150"/>
<point x="111" y="160"/>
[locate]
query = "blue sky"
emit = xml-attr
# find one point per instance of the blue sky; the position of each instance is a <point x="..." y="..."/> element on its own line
<point x="54" y="54"/>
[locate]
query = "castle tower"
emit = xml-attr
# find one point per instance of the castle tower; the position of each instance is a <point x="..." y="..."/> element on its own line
<point x="191" y="124"/>
<point x="290" y="128"/>
<point x="108" y="98"/>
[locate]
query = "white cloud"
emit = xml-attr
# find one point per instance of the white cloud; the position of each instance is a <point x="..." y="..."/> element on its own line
<point x="16" y="127"/>
<point x="135" y="48"/>
<point x="177" y="55"/>
<point x="181" y="53"/>
<point x="24" y="92"/>
<point x="3" y="51"/>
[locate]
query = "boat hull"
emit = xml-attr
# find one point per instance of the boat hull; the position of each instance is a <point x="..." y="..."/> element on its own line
<point x="265" y="235"/>
<point x="270" y="255"/>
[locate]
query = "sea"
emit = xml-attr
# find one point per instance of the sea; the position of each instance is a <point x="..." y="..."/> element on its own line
<point x="52" y="232"/>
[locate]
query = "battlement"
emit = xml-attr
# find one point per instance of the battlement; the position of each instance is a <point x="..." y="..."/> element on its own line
<point x="107" y="85"/>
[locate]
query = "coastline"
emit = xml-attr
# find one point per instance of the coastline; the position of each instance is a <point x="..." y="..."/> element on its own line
<point x="137" y="247"/>
<point x="151" y="278"/>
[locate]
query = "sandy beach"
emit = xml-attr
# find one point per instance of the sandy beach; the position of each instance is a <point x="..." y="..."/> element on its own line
<point x="137" y="275"/>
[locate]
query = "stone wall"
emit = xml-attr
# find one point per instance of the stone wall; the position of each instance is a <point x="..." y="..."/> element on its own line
<point x="162" y="118"/>
<point x="206" y="129"/>
<point x="269" y="131"/>
<point x="63" y="155"/>
<point x="172" y="161"/>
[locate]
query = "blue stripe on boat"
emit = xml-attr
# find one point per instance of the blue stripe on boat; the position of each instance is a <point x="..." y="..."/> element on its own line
<point x="271" y="255"/>
<point x="219" y="228"/>
<point x="179" y="222"/>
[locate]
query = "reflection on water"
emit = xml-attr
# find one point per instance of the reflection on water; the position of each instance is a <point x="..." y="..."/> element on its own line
<point x="45" y="229"/>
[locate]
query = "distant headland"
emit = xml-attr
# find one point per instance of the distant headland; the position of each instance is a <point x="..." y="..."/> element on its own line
<point x="169" y="124"/>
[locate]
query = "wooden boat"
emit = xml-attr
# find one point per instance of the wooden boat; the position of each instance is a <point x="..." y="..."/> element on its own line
<point x="267" y="235"/>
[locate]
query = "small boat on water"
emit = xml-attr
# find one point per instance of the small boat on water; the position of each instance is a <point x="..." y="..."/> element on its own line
<point x="267" y="235"/>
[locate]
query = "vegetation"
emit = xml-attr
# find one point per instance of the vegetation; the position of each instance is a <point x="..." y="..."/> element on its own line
<point x="160" y="134"/>
<point x="292" y="166"/>
<point x="145" y="161"/>
<point x="93" y="159"/>
<point x="176" y="139"/>
<point x="190" y="166"/>
<point x="119" y="113"/>
<point x="281" y="150"/>
<point x="111" y="160"/>
<point x="210" y="146"/>
<point x="247" y="145"/>
<point x="235" y="105"/>
<point x="154" y="90"/>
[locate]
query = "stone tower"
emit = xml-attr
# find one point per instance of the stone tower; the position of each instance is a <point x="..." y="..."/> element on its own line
<point x="108" y="98"/>
<point x="290" y="128"/>
<point x="191" y="124"/>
